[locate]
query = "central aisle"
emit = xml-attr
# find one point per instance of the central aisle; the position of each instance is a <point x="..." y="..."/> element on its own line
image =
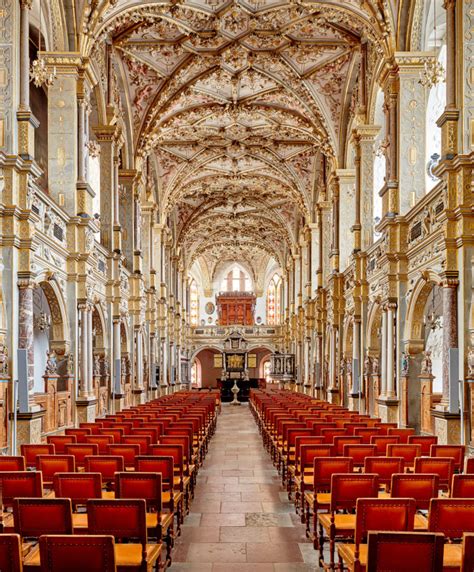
<point x="241" y="519"/>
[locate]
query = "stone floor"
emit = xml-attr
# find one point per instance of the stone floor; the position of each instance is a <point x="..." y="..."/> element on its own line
<point x="241" y="519"/>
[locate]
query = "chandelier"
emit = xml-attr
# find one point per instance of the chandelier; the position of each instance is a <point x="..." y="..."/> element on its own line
<point x="43" y="321"/>
<point x="432" y="320"/>
<point x="39" y="72"/>
<point x="433" y="71"/>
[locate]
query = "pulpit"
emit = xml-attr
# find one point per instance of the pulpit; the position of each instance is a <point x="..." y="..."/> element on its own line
<point x="236" y="308"/>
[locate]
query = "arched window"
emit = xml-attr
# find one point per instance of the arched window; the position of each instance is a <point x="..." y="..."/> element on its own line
<point x="379" y="161"/>
<point x="196" y="374"/>
<point x="274" y="301"/>
<point x="267" y="367"/>
<point x="193" y="304"/>
<point x="236" y="281"/>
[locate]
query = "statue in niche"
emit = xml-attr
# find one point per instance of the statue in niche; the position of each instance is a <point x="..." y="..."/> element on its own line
<point x="426" y="363"/>
<point x="342" y="367"/>
<point x="96" y="368"/>
<point x="70" y="364"/>
<point x="405" y="363"/>
<point x="470" y="362"/>
<point x="375" y="366"/>
<point x="3" y="359"/>
<point x="367" y="365"/>
<point x="51" y="363"/>
<point x="105" y="366"/>
<point x="426" y="221"/>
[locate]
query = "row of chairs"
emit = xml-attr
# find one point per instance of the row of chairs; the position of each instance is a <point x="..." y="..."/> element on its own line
<point x="331" y="468"/>
<point x="153" y="469"/>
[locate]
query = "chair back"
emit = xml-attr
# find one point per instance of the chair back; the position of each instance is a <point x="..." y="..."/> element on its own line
<point x="405" y="552"/>
<point x="421" y="487"/>
<point x="102" y="442"/>
<point x="106" y="465"/>
<point x="340" y="441"/>
<point x="140" y="485"/>
<point x="10" y="553"/>
<point x="12" y="463"/>
<point x="152" y="432"/>
<point x="457" y="452"/>
<point x="402" y="433"/>
<point x="79" y="433"/>
<point x="452" y="517"/>
<point x="175" y="451"/>
<point x="79" y="487"/>
<point x="80" y="451"/>
<point x="441" y="466"/>
<point x="467" y="563"/>
<point x="158" y="464"/>
<point x="128" y="452"/>
<point x="346" y="488"/>
<point x="310" y="452"/>
<point x="359" y="453"/>
<point x="366" y="433"/>
<point x="77" y="553"/>
<point x="30" y="452"/>
<point x="425" y="442"/>
<point x="408" y="452"/>
<point x="385" y="467"/>
<point x="383" y="514"/>
<point x="143" y="442"/>
<point x="49" y="465"/>
<point x="462" y="486"/>
<point x="34" y="516"/>
<point x="329" y="434"/>
<point x="325" y="467"/>
<point x="20" y="484"/>
<point x="114" y="432"/>
<point x="382" y="441"/>
<point x="59" y="441"/>
<point x="469" y="467"/>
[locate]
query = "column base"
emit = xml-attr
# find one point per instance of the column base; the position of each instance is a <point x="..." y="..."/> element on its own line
<point x="388" y="409"/>
<point x="138" y="396"/>
<point x="153" y="393"/>
<point x="334" y="396"/>
<point x="163" y="389"/>
<point x="86" y="410"/>
<point x="447" y="426"/>
<point x="29" y="427"/>
<point x="119" y="402"/>
<point x="353" y="403"/>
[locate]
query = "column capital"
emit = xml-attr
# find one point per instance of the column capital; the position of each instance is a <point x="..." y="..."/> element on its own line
<point x="26" y="4"/>
<point x="25" y="283"/>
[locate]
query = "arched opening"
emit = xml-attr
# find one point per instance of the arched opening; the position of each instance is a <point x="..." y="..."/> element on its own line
<point x="236" y="280"/>
<point x="210" y="367"/>
<point x="196" y="374"/>
<point x="194" y="303"/>
<point x="274" y="301"/>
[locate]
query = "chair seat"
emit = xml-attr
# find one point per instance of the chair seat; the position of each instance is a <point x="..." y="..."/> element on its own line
<point x="347" y="553"/>
<point x="342" y="522"/>
<point x="130" y="555"/>
<point x="421" y="523"/>
<point x="79" y="520"/>
<point x="452" y="556"/>
<point x="323" y="498"/>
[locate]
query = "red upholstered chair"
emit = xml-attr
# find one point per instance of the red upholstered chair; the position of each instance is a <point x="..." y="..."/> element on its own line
<point x="106" y="465"/>
<point x="182" y="478"/>
<point x="318" y="498"/>
<point x="78" y="433"/>
<point x="452" y="517"/>
<point x="375" y="514"/>
<point x="125" y="519"/>
<point x="408" y="452"/>
<point x="441" y="466"/>
<point x="114" y="432"/>
<point x="329" y="434"/>
<point x="152" y="432"/>
<point x="384" y="427"/>
<point x="102" y="442"/>
<point x="462" y="486"/>
<point x="79" y="487"/>
<point x="77" y="553"/>
<point x="49" y="465"/>
<point x="148" y="486"/>
<point x="59" y="441"/>
<point x="143" y="441"/>
<point x="358" y="453"/>
<point x="469" y="466"/>
<point x="128" y="452"/>
<point x="422" y="488"/>
<point x="425" y="441"/>
<point x="384" y="467"/>
<point x="20" y="484"/>
<point x="342" y="440"/>
<point x="405" y="552"/>
<point x="381" y="442"/>
<point x="12" y="463"/>
<point x="366" y="433"/>
<point x="30" y="452"/>
<point x="467" y="563"/>
<point x="457" y="452"/>
<point x="402" y="433"/>
<point x="345" y="490"/>
<point x="80" y="451"/>
<point x="10" y="553"/>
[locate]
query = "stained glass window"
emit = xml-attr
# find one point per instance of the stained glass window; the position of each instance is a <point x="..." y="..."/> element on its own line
<point x="236" y="281"/>
<point x="274" y="301"/>
<point x="194" y="304"/>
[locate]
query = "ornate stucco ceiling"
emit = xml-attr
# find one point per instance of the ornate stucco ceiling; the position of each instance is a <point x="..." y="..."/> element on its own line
<point x="237" y="102"/>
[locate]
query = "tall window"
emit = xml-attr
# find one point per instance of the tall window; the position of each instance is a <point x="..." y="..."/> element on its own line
<point x="236" y="281"/>
<point x="194" y="304"/>
<point x="274" y="301"/>
<point x="195" y="377"/>
<point x="267" y="367"/>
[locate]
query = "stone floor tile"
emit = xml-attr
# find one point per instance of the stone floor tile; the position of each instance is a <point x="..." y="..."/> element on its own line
<point x="244" y="534"/>
<point x="274" y="552"/>
<point x="217" y="552"/>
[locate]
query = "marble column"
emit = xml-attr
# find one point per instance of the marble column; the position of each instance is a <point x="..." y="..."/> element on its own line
<point x="90" y="353"/>
<point x="25" y="325"/>
<point x="335" y="226"/>
<point x="356" y="358"/>
<point x="106" y="136"/>
<point x="450" y="331"/>
<point x="84" y="349"/>
<point x="383" y="388"/>
<point x="117" y="354"/>
<point x="332" y="360"/>
<point x="390" y="349"/>
<point x="139" y="359"/>
<point x="25" y="6"/>
<point x="348" y="202"/>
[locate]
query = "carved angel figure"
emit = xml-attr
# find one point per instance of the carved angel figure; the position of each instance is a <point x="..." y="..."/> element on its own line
<point x="426" y="363"/>
<point x="405" y="363"/>
<point x="470" y="362"/>
<point x="3" y="359"/>
<point x="51" y="363"/>
<point x="375" y="366"/>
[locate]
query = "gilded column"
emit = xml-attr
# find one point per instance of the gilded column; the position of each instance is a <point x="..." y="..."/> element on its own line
<point x="117" y="354"/>
<point x="383" y="387"/>
<point x="25" y="6"/>
<point x="84" y="349"/>
<point x="390" y="349"/>
<point x="450" y="331"/>
<point x="25" y="325"/>
<point x="90" y="352"/>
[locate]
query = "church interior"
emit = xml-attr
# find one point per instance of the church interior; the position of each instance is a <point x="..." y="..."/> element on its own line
<point x="236" y="285"/>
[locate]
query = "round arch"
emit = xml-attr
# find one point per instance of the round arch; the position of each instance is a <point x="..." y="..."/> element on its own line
<point x="59" y="338"/>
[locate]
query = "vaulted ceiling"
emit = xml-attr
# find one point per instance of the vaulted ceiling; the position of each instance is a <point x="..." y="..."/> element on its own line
<point x="239" y="104"/>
